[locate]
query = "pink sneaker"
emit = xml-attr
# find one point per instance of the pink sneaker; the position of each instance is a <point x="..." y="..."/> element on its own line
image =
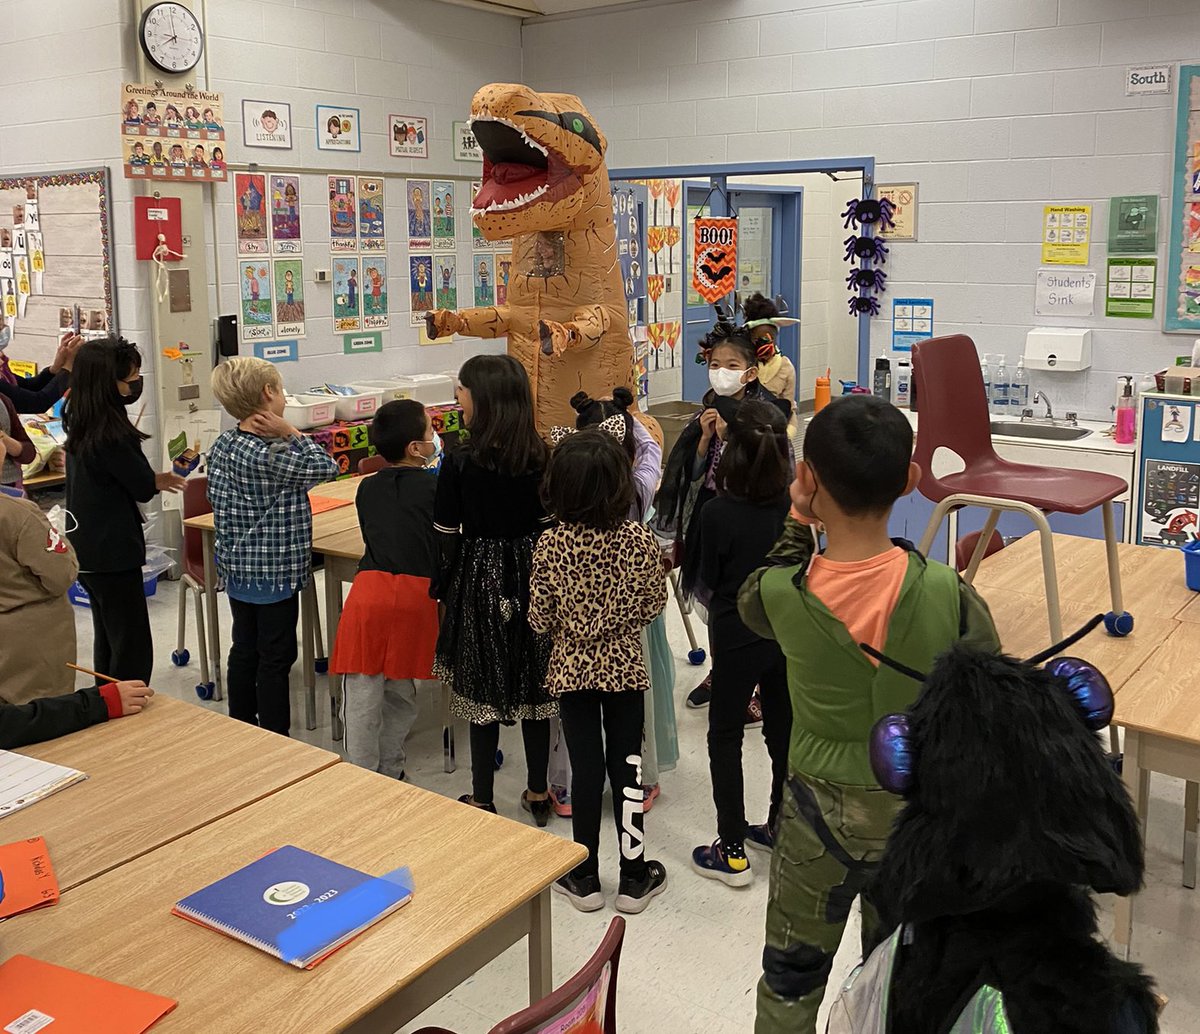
<point x="560" y="800"/>
<point x="649" y="795"/>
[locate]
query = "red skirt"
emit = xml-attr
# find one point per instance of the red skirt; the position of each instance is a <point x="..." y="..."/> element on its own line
<point x="389" y="627"/>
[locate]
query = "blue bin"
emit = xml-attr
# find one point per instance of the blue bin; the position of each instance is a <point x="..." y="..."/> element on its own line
<point x="1191" y="564"/>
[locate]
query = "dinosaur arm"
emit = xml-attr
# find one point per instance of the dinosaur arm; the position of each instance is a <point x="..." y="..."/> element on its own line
<point x="585" y="329"/>
<point x="486" y="321"/>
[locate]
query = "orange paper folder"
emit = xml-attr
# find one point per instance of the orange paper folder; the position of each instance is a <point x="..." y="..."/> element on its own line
<point x="36" y="995"/>
<point x="29" y="880"/>
<point x="321" y="503"/>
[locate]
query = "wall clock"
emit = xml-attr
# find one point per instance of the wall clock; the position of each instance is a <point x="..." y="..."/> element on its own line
<point x="171" y="37"/>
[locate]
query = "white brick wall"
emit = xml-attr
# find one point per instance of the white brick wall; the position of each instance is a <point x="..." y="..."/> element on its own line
<point x="997" y="107"/>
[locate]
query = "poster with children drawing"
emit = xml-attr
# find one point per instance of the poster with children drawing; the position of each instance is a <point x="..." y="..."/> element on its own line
<point x="172" y="133"/>
<point x="483" y="276"/>
<point x="347" y="311"/>
<point x="285" y="215"/>
<point x="445" y="276"/>
<point x="370" y="214"/>
<point x="504" y="262"/>
<point x="374" y="292"/>
<point x="443" y="215"/>
<point x="289" y="297"/>
<point x="250" y="195"/>
<point x="420" y="288"/>
<point x="343" y="217"/>
<point x="254" y="290"/>
<point x="420" y="225"/>
<point x="478" y="240"/>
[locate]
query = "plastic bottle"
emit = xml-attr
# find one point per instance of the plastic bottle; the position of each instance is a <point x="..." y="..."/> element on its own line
<point x="1149" y="383"/>
<point x="1018" y="392"/>
<point x="987" y="380"/>
<point x="881" y="384"/>
<point x="901" y="380"/>
<point x="1000" y="388"/>
<point x="1126" y="422"/>
<point x="821" y="396"/>
<point x="1196" y="354"/>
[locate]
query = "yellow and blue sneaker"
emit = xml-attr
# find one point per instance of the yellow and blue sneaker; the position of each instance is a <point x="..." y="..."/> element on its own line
<point x="725" y="862"/>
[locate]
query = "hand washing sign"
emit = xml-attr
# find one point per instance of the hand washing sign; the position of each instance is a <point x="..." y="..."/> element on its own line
<point x="1060" y="293"/>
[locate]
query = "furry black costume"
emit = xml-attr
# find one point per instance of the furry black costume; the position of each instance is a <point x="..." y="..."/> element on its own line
<point x="1012" y="813"/>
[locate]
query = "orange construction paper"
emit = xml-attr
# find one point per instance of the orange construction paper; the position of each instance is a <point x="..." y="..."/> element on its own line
<point x="29" y="880"/>
<point x="321" y="503"/>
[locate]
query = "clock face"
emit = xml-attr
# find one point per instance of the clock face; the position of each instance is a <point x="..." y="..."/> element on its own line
<point x="171" y="38"/>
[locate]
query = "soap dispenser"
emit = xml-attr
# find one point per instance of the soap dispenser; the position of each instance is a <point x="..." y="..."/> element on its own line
<point x="1126" y="416"/>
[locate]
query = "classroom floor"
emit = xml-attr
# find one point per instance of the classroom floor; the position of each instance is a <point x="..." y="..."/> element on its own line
<point x="691" y="960"/>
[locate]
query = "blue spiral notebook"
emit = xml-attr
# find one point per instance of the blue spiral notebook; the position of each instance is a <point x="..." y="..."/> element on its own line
<point x="296" y="905"/>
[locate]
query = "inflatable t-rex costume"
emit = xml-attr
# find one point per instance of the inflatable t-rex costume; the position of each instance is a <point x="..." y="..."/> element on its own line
<point x="546" y="186"/>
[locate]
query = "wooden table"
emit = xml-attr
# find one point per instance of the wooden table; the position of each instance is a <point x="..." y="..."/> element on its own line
<point x="150" y="782"/>
<point x="482" y="883"/>
<point x="323" y="523"/>
<point x="1159" y="709"/>
<point x="48" y="479"/>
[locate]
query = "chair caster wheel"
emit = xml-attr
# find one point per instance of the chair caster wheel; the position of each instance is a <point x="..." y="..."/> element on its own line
<point x="1118" y="624"/>
<point x="180" y="657"/>
<point x="696" y="657"/>
<point x="499" y="759"/>
<point x="321" y="665"/>
<point x="205" y="690"/>
<point x="1116" y="761"/>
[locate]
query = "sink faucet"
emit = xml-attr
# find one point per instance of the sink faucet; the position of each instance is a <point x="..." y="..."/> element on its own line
<point x="1040" y="396"/>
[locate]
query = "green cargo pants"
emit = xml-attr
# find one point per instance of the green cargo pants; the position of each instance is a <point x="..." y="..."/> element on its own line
<point x="830" y="840"/>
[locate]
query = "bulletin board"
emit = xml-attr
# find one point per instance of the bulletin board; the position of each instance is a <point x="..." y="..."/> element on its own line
<point x="1181" y="312"/>
<point x="74" y="207"/>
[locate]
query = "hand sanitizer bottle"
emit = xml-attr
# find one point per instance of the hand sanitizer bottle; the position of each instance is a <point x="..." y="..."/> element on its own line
<point x="1018" y="392"/>
<point x="1000" y="388"/>
<point x="987" y="380"/>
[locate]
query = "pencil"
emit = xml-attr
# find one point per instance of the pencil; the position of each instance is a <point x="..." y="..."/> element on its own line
<point x="94" y="674"/>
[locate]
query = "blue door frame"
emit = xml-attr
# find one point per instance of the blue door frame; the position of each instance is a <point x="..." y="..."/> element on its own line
<point x="864" y="165"/>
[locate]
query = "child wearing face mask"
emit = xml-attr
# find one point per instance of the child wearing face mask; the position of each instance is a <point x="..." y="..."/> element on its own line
<point x="107" y="477"/>
<point x="389" y="627"/>
<point x="689" y="481"/>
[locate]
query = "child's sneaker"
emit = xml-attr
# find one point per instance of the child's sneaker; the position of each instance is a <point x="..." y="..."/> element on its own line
<point x="560" y="800"/>
<point x="584" y="892"/>
<point x="760" y="838"/>
<point x="649" y="796"/>
<point x="725" y="862"/>
<point x="634" y="895"/>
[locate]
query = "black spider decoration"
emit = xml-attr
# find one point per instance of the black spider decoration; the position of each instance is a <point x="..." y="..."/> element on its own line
<point x="867" y="303"/>
<point x="869" y="210"/>
<point x="867" y="278"/>
<point x="865" y="248"/>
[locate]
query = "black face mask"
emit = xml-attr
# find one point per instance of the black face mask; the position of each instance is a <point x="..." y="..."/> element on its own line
<point x="135" y="392"/>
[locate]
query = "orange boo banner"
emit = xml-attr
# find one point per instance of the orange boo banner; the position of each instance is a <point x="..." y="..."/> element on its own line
<point x="714" y="257"/>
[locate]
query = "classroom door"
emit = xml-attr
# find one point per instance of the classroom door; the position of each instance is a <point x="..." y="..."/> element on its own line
<point x="770" y="240"/>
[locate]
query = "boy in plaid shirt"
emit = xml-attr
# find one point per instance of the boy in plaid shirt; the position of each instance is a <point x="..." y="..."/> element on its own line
<point x="259" y="475"/>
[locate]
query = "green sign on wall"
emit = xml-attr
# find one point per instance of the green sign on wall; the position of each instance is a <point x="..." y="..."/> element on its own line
<point x="366" y="341"/>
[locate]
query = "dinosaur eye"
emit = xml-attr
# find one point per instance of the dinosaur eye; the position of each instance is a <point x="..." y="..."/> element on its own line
<point x="577" y="125"/>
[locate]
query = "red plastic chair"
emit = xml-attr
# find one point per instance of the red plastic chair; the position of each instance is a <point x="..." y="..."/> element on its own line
<point x="954" y="416"/>
<point x="370" y="464"/>
<point x="964" y="549"/>
<point x="195" y="504"/>
<point x="592" y="991"/>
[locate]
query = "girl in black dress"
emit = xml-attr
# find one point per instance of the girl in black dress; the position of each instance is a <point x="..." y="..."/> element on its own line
<point x="489" y="514"/>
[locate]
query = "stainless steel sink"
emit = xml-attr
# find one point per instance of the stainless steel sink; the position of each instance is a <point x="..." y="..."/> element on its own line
<point x="1047" y="432"/>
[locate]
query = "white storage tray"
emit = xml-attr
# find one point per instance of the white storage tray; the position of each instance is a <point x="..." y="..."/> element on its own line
<point x="360" y="406"/>
<point x="317" y="411"/>
<point x="391" y="389"/>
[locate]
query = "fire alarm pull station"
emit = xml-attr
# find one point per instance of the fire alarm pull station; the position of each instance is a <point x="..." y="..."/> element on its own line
<point x="154" y="217"/>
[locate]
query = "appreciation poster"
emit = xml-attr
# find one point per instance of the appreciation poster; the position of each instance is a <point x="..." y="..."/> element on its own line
<point x="1133" y="225"/>
<point x="1131" y="287"/>
<point x="1066" y="234"/>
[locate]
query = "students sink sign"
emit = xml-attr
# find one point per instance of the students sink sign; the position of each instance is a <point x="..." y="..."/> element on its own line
<point x="714" y="257"/>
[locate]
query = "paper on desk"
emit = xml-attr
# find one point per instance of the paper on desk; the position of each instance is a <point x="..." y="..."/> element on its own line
<point x="25" y="781"/>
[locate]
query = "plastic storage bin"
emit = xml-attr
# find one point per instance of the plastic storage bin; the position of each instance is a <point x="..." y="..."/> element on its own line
<point x="432" y="389"/>
<point x="304" y="416"/>
<point x="390" y="389"/>
<point x="359" y="406"/>
<point x="1191" y="564"/>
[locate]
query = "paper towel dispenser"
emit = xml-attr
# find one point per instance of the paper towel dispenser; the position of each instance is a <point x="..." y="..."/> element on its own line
<point x="1058" y="348"/>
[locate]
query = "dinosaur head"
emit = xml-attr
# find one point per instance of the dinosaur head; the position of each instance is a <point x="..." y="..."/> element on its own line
<point x="543" y="161"/>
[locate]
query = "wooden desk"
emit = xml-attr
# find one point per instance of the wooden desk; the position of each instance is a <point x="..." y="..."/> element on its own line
<point x="1159" y="708"/>
<point x="1151" y="577"/>
<point x="482" y="883"/>
<point x="150" y="782"/>
<point x="49" y="479"/>
<point x="329" y="521"/>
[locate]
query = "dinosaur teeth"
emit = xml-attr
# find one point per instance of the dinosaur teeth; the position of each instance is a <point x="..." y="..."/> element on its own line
<point x="520" y="201"/>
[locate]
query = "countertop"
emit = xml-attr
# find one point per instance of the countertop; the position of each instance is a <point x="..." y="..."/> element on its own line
<point x="1100" y="440"/>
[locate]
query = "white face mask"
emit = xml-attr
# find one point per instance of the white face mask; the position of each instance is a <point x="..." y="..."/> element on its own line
<point x="726" y="382"/>
<point x="436" y="455"/>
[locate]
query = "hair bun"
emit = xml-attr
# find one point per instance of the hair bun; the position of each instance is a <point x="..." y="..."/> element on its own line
<point x="623" y="398"/>
<point x="580" y="401"/>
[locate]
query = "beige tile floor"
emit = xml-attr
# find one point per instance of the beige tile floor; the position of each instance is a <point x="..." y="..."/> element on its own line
<point x="691" y="960"/>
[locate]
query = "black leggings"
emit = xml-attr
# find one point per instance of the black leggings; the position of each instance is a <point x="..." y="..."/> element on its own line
<point x="485" y="739"/>
<point x="604" y="735"/>
<point x="735" y="673"/>
<point x="123" y="646"/>
<point x="260" y="662"/>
